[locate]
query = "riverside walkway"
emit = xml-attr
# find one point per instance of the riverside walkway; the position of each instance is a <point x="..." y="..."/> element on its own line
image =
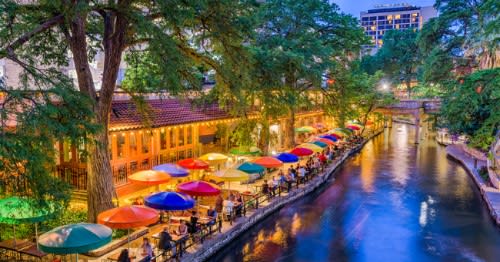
<point x="490" y="194"/>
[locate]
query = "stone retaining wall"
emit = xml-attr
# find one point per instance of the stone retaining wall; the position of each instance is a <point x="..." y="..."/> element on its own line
<point x="212" y="246"/>
<point x="490" y="195"/>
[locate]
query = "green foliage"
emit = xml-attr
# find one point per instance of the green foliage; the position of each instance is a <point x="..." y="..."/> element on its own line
<point x="27" y="231"/>
<point x="473" y="107"/>
<point x="399" y="56"/>
<point x="243" y="134"/>
<point x="27" y="150"/>
<point x="355" y="93"/>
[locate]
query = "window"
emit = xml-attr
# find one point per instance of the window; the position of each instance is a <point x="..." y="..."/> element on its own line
<point x="182" y="154"/>
<point x="405" y="16"/>
<point x="372" y="18"/>
<point x="397" y="16"/>
<point x="172" y="138"/>
<point x="382" y="17"/>
<point x="397" y="26"/>
<point x="163" y="139"/>
<point x="146" y="142"/>
<point x="189" y="153"/>
<point x="181" y="136"/>
<point x="364" y="18"/>
<point x="120" y="145"/>
<point x="389" y="17"/>
<point x="414" y="15"/>
<point x="132" y="144"/>
<point x="189" y="135"/>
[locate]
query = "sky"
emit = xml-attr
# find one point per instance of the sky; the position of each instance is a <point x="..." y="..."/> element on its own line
<point x="354" y="7"/>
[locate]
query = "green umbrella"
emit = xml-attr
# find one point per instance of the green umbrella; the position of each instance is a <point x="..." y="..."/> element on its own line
<point x="75" y="238"/>
<point x="245" y="151"/>
<point x="251" y="168"/>
<point x="302" y="130"/>
<point x="19" y="210"/>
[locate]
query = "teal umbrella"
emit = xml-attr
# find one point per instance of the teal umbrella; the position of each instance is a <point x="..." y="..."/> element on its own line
<point x="320" y="144"/>
<point x="22" y="210"/>
<point x="251" y="168"/>
<point x="75" y="238"/>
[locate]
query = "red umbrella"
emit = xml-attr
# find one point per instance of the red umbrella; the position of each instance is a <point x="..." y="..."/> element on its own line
<point x="191" y="163"/>
<point x="198" y="188"/>
<point x="128" y="217"/>
<point x="149" y="177"/>
<point x="300" y="151"/>
<point x="353" y="127"/>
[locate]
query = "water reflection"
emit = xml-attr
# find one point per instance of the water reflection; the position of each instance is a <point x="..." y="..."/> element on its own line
<point x="396" y="201"/>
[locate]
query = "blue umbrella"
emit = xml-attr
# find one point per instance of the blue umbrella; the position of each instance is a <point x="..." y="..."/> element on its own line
<point x="172" y="169"/>
<point x="334" y="139"/>
<point x="287" y="158"/>
<point x="251" y="168"/>
<point x="169" y="201"/>
<point x="75" y="238"/>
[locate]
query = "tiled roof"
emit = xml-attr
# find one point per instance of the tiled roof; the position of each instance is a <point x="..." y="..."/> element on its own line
<point x="163" y="112"/>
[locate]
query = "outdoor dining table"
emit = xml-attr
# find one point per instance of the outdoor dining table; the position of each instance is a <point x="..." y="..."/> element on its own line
<point x="14" y="246"/>
<point x="134" y="255"/>
<point x="177" y="239"/>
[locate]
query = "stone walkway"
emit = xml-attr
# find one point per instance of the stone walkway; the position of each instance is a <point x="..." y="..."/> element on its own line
<point x="490" y="194"/>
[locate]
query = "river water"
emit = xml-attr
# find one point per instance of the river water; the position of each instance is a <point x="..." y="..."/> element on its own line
<point x="395" y="201"/>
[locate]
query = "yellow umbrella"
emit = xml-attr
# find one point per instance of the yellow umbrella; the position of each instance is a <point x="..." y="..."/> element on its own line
<point x="214" y="158"/>
<point x="231" y="175"/>
<point x="313" y="147"/>
<point x="234" y="175"/>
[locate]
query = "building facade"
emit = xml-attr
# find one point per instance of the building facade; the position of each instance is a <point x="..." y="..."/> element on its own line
<point x="393" y="17"/>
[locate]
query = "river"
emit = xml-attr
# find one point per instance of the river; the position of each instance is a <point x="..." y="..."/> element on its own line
<point x="394" y="201"/>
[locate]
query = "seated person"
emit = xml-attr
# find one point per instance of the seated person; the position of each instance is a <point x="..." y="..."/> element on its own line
<point x="212" y="214"/>
<point x="193" y="223"/>
<point x="147" y="250"/>
<point x="165" y="243"/>
<point x="182" y="229"/>
<point x="228" y="209"/>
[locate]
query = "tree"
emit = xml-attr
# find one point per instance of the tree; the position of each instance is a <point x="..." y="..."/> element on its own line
<point x="296" y="42"/>
<point x="400" y="56"/>
<point x="175" y="35"/>
<point x="355" y="94"/>
<point x="32" y="122"/>
<point x="471" y="106"/>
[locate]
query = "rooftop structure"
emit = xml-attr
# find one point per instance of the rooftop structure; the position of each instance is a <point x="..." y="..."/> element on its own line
<point x="396" y="16"/>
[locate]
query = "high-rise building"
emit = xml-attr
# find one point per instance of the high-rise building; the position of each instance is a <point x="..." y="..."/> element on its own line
<point x="393" y="16"/>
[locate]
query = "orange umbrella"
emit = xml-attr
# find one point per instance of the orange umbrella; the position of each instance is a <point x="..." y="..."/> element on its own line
<point x="128" y="217"/>
<point x="326" y="141"/>
<point x="149" y="177"/>
<point x="268" y="162"/>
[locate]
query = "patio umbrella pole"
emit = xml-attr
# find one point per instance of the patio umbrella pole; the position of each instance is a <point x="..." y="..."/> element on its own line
<point x="14" y="235"/>
<point x="128" y="238"/>
<point x="36" y="235"/>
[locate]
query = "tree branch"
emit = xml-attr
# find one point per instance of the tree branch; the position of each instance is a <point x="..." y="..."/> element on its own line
<point x="27" y="36"/>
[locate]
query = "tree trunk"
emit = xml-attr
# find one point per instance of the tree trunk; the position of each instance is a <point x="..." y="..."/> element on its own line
<point x="100" y="186"/>
<point x="408" y="88"/>
<point x="290" y="130"/>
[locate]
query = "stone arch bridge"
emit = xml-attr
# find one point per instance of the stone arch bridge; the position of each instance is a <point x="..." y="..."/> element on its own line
<point x="414" y="108"/>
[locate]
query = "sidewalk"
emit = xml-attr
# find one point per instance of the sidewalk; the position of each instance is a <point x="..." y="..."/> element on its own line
<point x="490" y="194"/>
